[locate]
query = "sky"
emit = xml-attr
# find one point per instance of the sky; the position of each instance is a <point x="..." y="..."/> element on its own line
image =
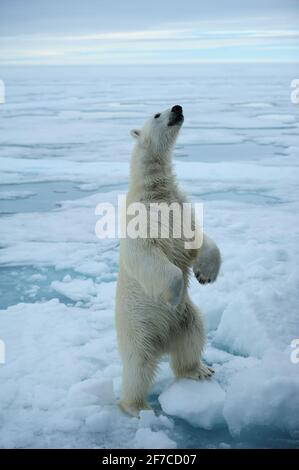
<point x="148" y="32"/>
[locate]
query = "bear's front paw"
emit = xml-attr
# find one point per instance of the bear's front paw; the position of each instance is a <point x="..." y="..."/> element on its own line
<point x="206" y="267"/>
<point x="174" y="292"/>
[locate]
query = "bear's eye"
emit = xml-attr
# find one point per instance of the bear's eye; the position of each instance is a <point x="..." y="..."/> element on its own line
<point x="157" y="115"/>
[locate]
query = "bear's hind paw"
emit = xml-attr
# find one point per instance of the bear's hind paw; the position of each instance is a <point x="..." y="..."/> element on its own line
<point x="133" y="410"/>
<point x="202" y="372"/>
<point x="205" y="372"/>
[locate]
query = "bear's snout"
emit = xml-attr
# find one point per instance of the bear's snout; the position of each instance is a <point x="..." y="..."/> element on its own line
<point x="176" y="115"/>
<point x="177" y="109"/>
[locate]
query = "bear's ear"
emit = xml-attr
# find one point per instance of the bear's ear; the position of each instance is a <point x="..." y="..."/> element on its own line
<point x="135" y="133"/>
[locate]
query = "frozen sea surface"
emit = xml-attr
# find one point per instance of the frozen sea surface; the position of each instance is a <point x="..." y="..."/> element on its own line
<point x="65" y="147"/>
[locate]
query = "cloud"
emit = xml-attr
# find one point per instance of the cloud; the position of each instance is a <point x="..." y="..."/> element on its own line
<point x="18" y="17"/>
<point x="233" y="32"/>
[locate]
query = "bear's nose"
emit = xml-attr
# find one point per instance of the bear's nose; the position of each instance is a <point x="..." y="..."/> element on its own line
<point x="177" y="109"/>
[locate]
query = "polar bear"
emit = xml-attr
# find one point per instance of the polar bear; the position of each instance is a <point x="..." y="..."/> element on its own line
<point x="154" y="314"/>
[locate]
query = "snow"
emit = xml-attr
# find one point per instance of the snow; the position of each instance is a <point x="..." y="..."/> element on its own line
<point x="15" y="194"/>
<point x="147" y="439"/>
<point x="239" y="331"/>
<point x="238" y="154"/>
<point x="99" y="422"/>
<point x="153" y="432"/>
<point x="93" y="392"/>
<point x="149" y="419"/>
<point x="266" y="395"/>
<point x="77" y="289"/>
<point x="199" y="403"/>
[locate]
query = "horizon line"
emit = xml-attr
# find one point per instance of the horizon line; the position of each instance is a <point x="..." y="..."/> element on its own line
<point x="179" y="62"/>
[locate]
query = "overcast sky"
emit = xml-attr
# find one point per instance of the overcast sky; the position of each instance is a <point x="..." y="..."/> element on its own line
<point x="148" y="31"/>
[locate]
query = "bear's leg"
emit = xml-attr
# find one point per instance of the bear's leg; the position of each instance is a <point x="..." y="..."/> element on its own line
<point x="138" y="376"/>
<point x="187" y="347"/>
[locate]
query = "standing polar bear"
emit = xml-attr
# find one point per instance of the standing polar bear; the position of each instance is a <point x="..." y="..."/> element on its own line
<point x="154" y="314"/>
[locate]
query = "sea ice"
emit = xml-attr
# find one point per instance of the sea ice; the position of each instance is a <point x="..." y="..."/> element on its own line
<point x="198" y="402"/>
<point x="147" y="439"/>
<point x="239" y="331"/>
<point x="238" y="155"/>
<point x="266" y="394"/>
<point x="76" y="289"/>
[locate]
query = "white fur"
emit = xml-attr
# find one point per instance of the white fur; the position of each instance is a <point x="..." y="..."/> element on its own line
<point x="154" y="314"/>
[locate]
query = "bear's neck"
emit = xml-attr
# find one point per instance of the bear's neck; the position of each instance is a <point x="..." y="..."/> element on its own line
<point x="151" y="176"/>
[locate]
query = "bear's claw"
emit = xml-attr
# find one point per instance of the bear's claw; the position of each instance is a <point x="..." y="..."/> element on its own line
<point x="200" y="373"/>
<point x="205" y="372"/>
<point x="207" y="265"/>
<point x="202" y="279"/>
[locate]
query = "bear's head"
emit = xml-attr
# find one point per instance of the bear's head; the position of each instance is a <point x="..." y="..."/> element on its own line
<point x="160" y="131"/>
